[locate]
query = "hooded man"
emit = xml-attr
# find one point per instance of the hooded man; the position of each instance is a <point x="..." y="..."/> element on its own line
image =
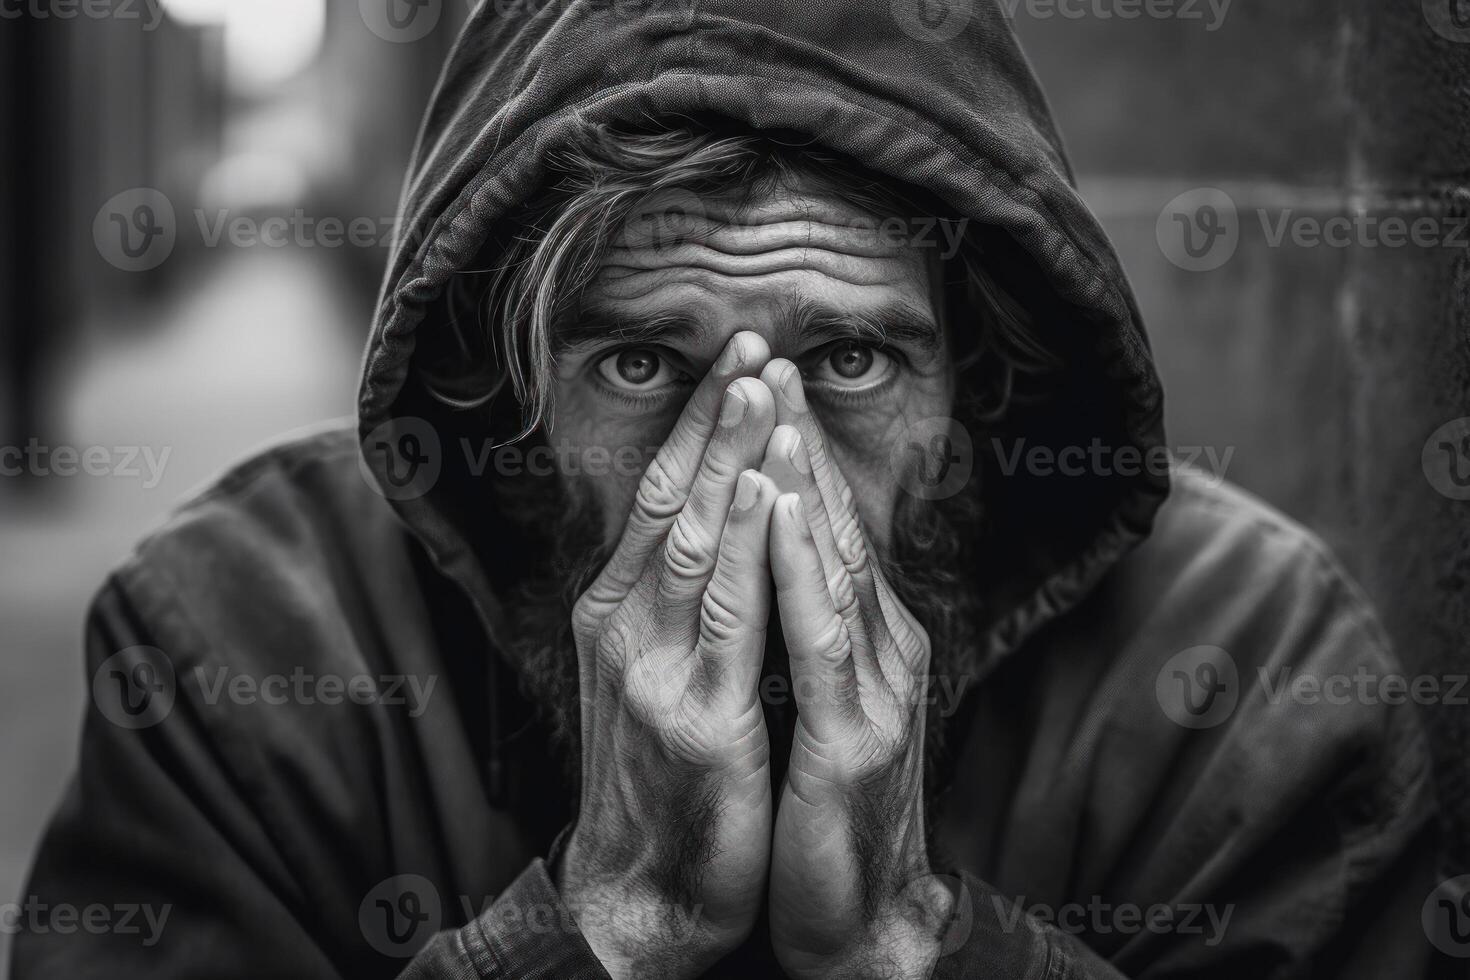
<point x="756" y="554"/>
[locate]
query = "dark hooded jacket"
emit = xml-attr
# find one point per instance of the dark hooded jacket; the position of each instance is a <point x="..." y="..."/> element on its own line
<point x="1088" y="831"/>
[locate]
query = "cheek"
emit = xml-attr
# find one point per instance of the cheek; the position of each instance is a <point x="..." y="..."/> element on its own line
<point x="604" y="453"/>
<point x="865" y="442"/>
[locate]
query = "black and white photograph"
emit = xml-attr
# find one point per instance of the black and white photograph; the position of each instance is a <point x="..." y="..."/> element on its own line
<point x="814" y="489"/>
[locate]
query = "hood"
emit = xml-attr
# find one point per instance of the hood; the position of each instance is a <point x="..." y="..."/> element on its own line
<point x="947" y="104"/>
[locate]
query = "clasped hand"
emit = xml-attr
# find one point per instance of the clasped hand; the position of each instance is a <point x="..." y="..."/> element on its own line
<point x="743" y="504"/>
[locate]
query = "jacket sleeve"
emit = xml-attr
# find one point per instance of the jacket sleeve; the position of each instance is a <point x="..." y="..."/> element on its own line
<point x="527" y="932"/>
<point x="992" y="938"/>
<point x="154" y="865"/>
<point x="1343" y="901"/>
<point x="1379" y="932"/>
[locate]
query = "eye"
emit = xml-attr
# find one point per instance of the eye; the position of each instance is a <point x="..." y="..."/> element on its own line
<point x="637" y="369"/>
<point x="851" y="365"/>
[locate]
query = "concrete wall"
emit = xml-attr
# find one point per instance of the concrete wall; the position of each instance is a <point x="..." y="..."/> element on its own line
<point x="1325" y="366"/>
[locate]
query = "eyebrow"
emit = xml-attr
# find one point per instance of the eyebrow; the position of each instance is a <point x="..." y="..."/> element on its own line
<point x="595" y="327"/>
<point x="892" y="323"/>
<point x="804" y="320"/>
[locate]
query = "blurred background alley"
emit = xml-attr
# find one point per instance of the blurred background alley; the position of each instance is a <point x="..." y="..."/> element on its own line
<point x="135" y="322"/>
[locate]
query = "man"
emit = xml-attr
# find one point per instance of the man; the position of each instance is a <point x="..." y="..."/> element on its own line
<point x="845" y="680"/>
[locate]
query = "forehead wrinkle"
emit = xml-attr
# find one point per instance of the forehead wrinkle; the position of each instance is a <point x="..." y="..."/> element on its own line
<point x="846" y="268"/>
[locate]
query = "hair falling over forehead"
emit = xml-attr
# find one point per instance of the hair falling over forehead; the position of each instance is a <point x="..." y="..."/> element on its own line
<point x="613" y="175"/>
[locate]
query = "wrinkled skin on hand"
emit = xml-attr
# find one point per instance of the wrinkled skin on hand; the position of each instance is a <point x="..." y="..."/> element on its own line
<point x="677" y="808"/>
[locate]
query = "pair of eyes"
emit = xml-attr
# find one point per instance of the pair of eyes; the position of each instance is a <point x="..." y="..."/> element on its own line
<point x="844" y="365"/>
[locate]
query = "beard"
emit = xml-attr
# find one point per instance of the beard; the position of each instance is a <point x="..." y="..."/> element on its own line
<point x="929" y="566"/>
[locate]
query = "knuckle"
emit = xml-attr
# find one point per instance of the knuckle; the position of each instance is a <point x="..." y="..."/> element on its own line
<point x="832" y="644"/>
<point x="719" y="465"/>
<point x="719" y="623"/>
<point x="658" y="497"/>
<point x="846" y="498"/>
<point x="848" y="537"/>
<point x="615" y="641"/>
<point x="844" y="594"/>
<point x="688" y="552"/>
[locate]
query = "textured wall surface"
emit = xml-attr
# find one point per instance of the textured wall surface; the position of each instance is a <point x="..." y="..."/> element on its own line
<point x="1323" y="356"/>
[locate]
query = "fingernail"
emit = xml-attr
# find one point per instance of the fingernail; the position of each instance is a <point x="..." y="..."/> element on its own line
<point x="791" y="389"/>
<point x="732" y="412"/>
<point x="796" y="453"/>
<point x="731" y="360"/>
<point x="747" y="491"/>
<point x="793" y="507"/>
